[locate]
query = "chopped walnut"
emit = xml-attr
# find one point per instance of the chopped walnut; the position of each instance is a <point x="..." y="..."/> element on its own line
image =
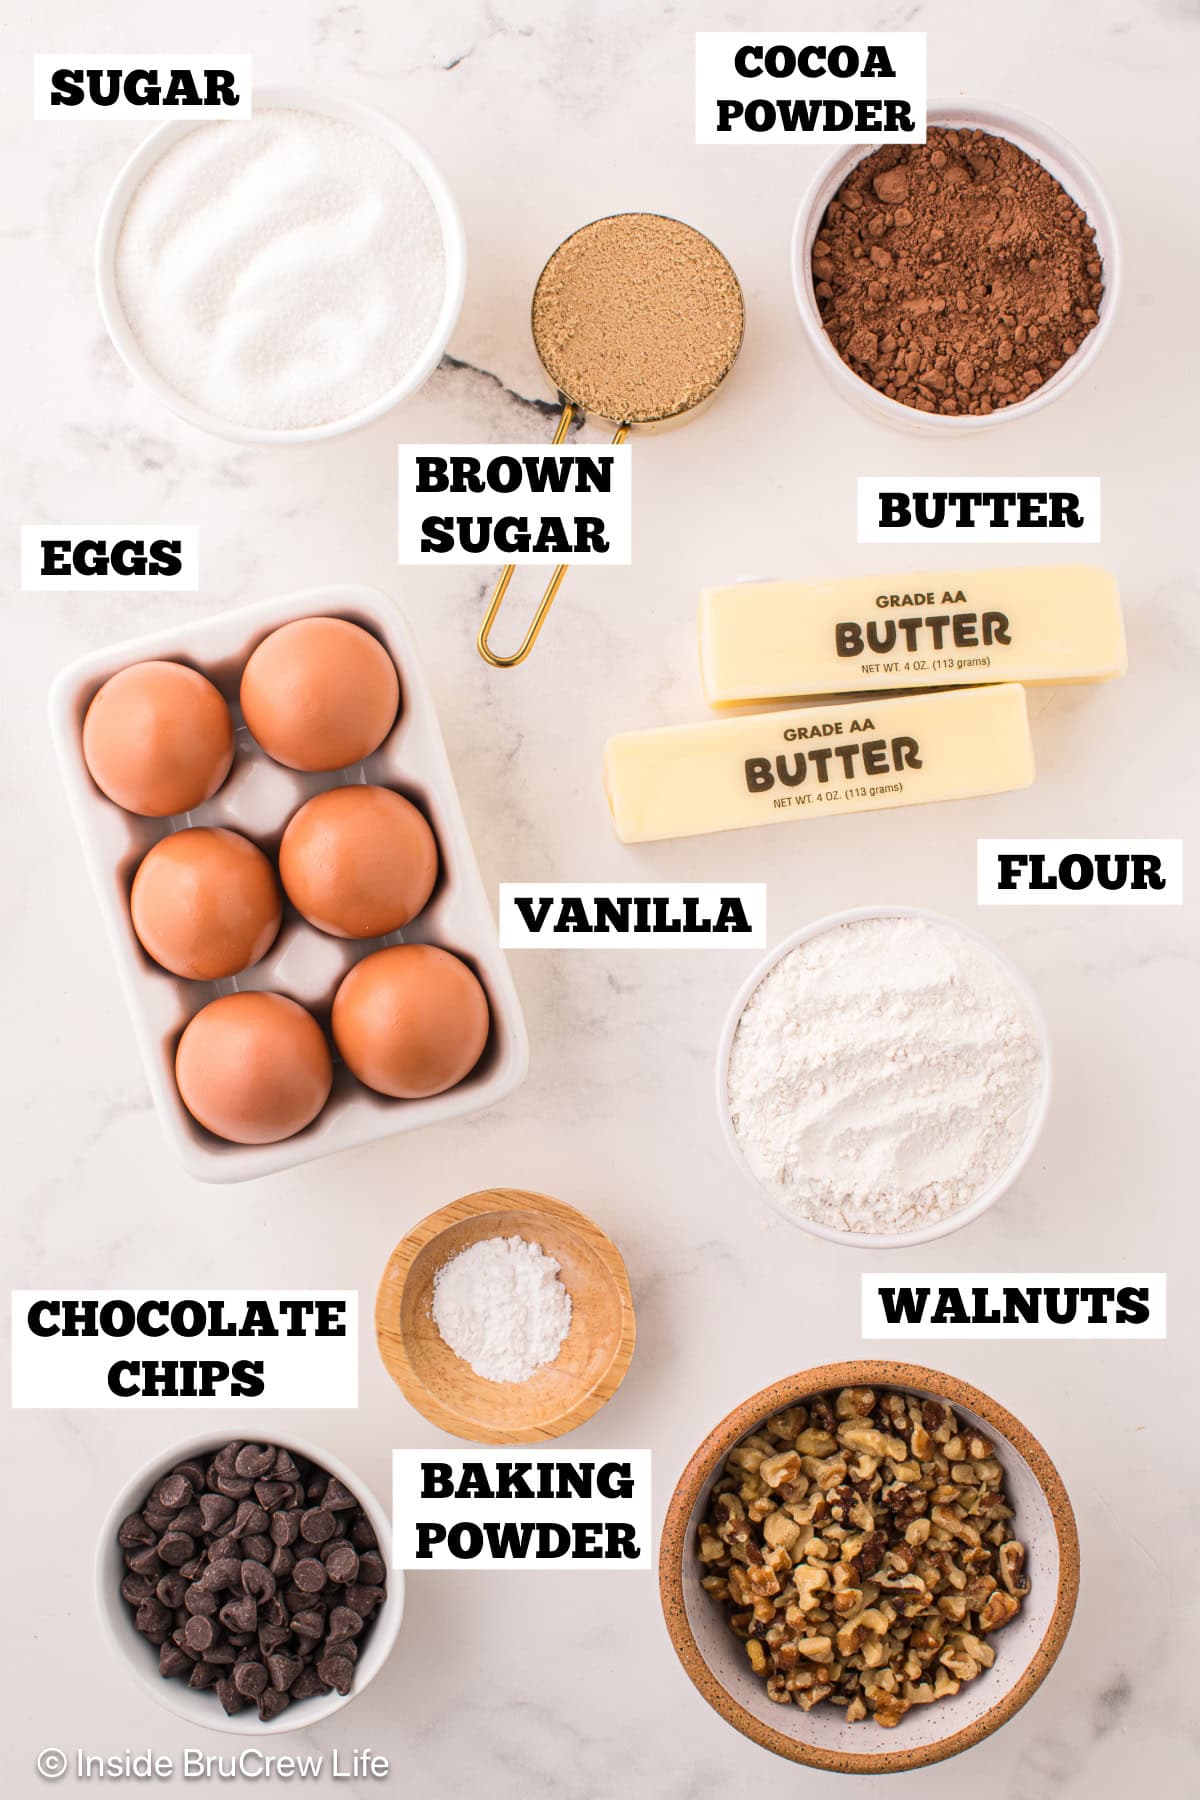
<point x="860" y="1546"/>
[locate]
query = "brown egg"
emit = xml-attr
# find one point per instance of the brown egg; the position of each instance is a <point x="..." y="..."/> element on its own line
<point x="358" y="861"/>
<point x="410" y="1021"/>
<point x="205" y="903"/>
<point x="253" y="1068"/>
<point x="320" y="694"/>
<point x="158" y="739"/>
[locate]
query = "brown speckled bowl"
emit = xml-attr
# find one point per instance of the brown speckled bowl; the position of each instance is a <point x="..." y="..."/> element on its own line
<point x="716" y="1660"/>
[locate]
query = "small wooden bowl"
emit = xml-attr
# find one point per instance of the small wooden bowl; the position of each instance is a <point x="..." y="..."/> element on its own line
<point x="822" y="1738"/>
<point x="587" y="1370"/>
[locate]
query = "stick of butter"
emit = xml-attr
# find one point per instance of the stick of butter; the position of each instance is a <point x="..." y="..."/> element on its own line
<point x="811" y="761"/>
<point x="767" y="640"/>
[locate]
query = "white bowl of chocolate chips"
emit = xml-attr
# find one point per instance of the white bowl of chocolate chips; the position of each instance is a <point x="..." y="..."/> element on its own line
<point x="247" y="1585"/>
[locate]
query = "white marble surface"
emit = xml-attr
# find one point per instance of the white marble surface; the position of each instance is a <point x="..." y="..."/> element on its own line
<point x="543" y="116"/>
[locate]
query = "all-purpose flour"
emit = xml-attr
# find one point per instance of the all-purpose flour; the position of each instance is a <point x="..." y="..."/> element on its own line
<point x="883" y="1074"/>
<point x="281" y="271"/>
<point x="500" y="1305"/>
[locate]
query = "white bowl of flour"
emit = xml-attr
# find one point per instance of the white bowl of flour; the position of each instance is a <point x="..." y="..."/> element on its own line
<point x="282" y="278"/>
<point x="883" y="1076"/>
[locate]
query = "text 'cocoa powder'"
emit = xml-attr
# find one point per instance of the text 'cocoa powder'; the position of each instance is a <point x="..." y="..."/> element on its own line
<point x="958" y="275"/>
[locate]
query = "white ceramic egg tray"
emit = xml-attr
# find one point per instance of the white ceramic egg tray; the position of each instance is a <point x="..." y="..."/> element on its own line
<point x="257" y="799"/>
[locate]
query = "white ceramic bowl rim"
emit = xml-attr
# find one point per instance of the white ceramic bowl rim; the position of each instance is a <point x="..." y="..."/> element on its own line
<point x="202" y="1708"/>
<point x="922" y="1234"/>
<point x="1039" y="141"/>
<point x="302" y="100"/>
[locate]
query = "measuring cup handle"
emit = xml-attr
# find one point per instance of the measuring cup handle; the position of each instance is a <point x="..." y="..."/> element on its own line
<point x="506" y="574"/>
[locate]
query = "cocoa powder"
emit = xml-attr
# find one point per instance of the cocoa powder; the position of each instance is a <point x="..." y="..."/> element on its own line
<point x="958" y="275"/>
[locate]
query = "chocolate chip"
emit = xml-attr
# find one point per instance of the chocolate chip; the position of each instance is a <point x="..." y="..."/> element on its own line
<point x="341" y="1562"/>
<point x="250" y="1678"/>
<point x="271" y="1636"/>
<point x="309" y="1624"/>
<point x="240" y="1615"/>
<point x="307" y="1685"/>
<point x="254" y="1461"/>
<point x="237" y="1487"/>
<point x="271" y="1494"/>
<point x="226" y="1572"/>
<point x="250" y="1518"/>
<point x="257" y="1548"/>
<point x="338" y="1671"/>
<point x="282" y="1563"/>
<point x="344" y="1622"/>
<point x="171" y="1590"/>
<point x="200" y="1600"/>
<point x="257" y="1580"/>
<point x="225" y="1461"/>
<point x="200" y="1633"/>
<point x="283" y="1669"/>
<point x="193" y="1472"/>
<point x="371" y="1569"/>
<point x="317" y="1526"/>
<point x="136" y="1588"/>
<point x="273" y="1612"/>
<point x="144" y="1562"/>
<point x="175" y="1547"/>
<point x="172" y="1660"/>
<point x="158" y="1519"/>
<point x="230" y="1699"/>
<point x="362" y="1534"/>
<point x="285" y="1526"/>
<point x="363" y="1597"/>
<point x="284" y="1468"/>
<point x="151" y="1616"/>
<point x="271" y="1703"/>
<point x="203" y="1675"/>
<point x="135" y="1532"/>
<point x="215" y="1511"/>
<point x="309" y="1575"/>
<point x="220" y="1652"/>
<point x="337" y="1497"/>
<point x="173" y="1492"/>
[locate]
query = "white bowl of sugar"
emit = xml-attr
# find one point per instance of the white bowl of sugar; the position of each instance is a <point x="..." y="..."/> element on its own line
<point x="883" y="1076"/>
<point x="284" y="278"/>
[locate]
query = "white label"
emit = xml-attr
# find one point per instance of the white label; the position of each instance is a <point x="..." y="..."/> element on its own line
<point x="632" y="915"/>
<point x="1079" y="871"/>
<point x="149" y="1348"/>
<point x="61" y="559"/>
<point x="515" y="503"/>
<point x="775" y="87"/>
<point x="521" y="1509"/>
<point x="124" y="87"/>
<point x="945" y="509"/>
<point x="1014" y="1306"/>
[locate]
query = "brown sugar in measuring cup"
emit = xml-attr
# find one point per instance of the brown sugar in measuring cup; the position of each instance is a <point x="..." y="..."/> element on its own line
<point x="637" y="318"/>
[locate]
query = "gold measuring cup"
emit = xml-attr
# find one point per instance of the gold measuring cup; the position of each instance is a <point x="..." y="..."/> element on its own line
<point x="636" y="319"/>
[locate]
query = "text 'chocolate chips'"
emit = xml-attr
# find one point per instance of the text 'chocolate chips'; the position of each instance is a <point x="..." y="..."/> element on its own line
<point x="210" y="1580"/>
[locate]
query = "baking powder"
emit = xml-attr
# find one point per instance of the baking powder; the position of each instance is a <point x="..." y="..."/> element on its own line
<point x="500" y="1306"/>
<point x="884" y="1073"/>
<point x="281" y="271"/>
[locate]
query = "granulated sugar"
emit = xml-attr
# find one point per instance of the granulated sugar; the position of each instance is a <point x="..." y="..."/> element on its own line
<point x="883" y="1074"/>
<point x="500" y="1305"/>
<point x="281" y="272"/>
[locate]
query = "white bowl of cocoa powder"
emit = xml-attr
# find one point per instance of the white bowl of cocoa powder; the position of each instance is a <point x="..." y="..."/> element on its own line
<point x="948" y="286"/>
